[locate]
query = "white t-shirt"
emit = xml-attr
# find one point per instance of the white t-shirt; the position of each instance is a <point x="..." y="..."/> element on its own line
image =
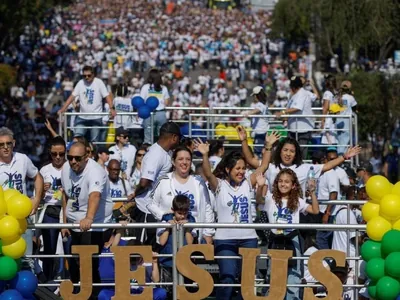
<point x="135" y="178"/>
<point x="330" y="129"/>
<point x="156" y="163"/>
<point x="328" y="95"/>
<point x="327" y="183"/>
<point x="302" y="101"/>
<point x="13" y="175"/>
<point x="117" y="189"/>
<point x="348" y="102"/>
<point x="260" y="125"/>
<point x="214" y="161"/>
<point x="282" y="215"/>
<point x="162" y="96"/>
<point x="343" y="179"/>
<point x="126" y="157"/>
<point x="301" y="172"/>
<point x="78" y="189"/>
<point x="340" y="240"/>
<point x="51" y="175"/>
<point x="233" y="205"/>
<point x="91" y="97"/>
<point x="187" y="189"/>
<point x="124" y="105"/>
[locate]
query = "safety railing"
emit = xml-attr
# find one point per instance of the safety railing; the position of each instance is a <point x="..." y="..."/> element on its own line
<point x="177" y="242"/>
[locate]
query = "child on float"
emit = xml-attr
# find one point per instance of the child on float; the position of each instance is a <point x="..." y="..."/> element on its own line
<point x="283" y="206"/>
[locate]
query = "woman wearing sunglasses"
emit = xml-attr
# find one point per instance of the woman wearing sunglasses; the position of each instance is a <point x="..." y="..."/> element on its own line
<point x="136" y="173"/>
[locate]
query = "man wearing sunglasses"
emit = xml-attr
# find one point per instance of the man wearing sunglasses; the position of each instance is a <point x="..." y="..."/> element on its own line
<point x="53" y="201"/>
<point x="86" y="200"/>
<point x="90" y="92"/>
<point x="124" y="152"/>
<point x="14" y="168"/>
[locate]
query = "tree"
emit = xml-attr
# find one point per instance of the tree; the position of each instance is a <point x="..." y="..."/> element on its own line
<point x="8" y="76"/>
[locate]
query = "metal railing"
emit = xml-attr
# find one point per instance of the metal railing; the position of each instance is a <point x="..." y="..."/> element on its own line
<point x="178" y="242"/>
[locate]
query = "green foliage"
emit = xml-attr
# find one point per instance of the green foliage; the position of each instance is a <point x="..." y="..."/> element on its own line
<point x="8" y="76"/>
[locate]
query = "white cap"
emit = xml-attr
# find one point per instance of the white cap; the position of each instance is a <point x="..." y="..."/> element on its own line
<point x="256" y="90"/>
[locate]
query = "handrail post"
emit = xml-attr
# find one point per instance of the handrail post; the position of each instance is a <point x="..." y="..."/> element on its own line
<point x="152" y="127"/>
<point x="190" y="125"/>
<point x="174" y="269"/>
<point x="65" y="126"/>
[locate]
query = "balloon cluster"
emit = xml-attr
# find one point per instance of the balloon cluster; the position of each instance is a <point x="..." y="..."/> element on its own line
<point x="14" y="209"/>
<point x="382" y="251"/>
<point x="145" y="108"/>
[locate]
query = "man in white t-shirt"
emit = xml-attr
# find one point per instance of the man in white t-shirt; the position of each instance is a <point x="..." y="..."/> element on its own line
<point x="299" y="127"/>
<point x="119" y="187"/>
<point x="86" y="200"/>
<point x="123" y="152"/>
<point x="327" y="189"/>
<point x="155" y="164"/>
<point x="332" y="154"/>
<point x="90" y="92"/>
<point x="14" y="168"/>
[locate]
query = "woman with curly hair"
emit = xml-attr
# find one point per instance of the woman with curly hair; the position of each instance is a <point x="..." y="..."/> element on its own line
<point x="283" y="206"/>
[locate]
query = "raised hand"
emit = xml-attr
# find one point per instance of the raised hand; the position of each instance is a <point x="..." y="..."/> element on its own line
<point x="241" y="133"/>
<point x="203" y="148"/>
<point x="353" y="151"/>
<point x="260" y="179"/>
<point x="272" y="138"/>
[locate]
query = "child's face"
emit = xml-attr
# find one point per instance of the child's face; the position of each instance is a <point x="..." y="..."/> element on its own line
<point x="180" y="215"/>
<point x="285" y="184"/>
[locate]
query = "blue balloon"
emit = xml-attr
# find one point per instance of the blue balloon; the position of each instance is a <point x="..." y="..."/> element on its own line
<point x="152" y="102"/>
<point x="25" y="282"/>
<point x="137" y="102"/>
<point x="144" y="112"/>
<point x="11" y="295"/>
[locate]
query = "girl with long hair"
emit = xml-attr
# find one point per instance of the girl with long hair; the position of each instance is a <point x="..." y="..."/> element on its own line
<point x="155" y="88"/>
<point x="328" y="97"/>
<point x="136" y="173"/>
<point x="233" y="191"/>
<point x="283" y="206"/>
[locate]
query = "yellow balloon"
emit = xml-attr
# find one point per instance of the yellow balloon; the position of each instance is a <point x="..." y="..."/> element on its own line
<point x="396" y="225"/>
<point x="1" y="193"/>
<point x="370" y="210"/>
<point x="23" y="225"/>
<point x="377" y="187"/>
<point x="220" y="130"/>
<point x="390" y="207"/>
<point x="3" y="207"/>
<point x="14" y="250"/>
<point x="396" y="189"/>
<point x="19" y="206"/>
<point x="377" y="227"/>
<point x="9" y="227"/>
<point x="10" y="193"/>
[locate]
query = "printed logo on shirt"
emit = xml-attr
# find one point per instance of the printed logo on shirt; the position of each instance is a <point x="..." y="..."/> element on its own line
<point x="89" y="95"/>
<point x="14" y="181"/>
<point x="240" y="208"/>
<point x="124" y="165"/>
<point x="123" y="107"/>
<point x="74" y="193"/>
<point x="190" y="196"/>
<point x="115" y="193"/>
<point x="283" y="215"/>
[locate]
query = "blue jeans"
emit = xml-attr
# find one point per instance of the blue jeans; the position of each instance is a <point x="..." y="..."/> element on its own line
<point x="159" y="119"/>
<point x="295" y="273"/>
<point x="230" y="269"/>
<point x="28" y="263"/>
<point x="50" y="239"/>
<point x="94" y="131"/>
<point x="158" y="294"/>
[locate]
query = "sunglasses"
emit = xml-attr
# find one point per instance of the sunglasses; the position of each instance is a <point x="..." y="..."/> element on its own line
<point x="55" y="154"/>
<point x="87" y="75"/>
<point x="6" y="145"/>
<point x="140" y="154"/>
<point x="77" y="158"/>
<point x="124" y="136"/>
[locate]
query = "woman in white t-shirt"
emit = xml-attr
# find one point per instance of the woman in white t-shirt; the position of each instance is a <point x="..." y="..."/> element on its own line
<point x="154" y="87"/>
<point x="287" y="154"/>
<point x="328" y="97"/>
<point x="181" y="182"/>
<point x="348" y="102"/>
<point x="233" y="205"/>
<point x="260" y="126"/>
<point x="283" y="206"/>
<point x="136" y="173"/>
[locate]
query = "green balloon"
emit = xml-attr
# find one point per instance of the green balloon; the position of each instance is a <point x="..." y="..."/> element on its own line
<point x="375" y="268"/>
<point x="19" y="264"/>
<point x="1" y="245"/>
<point x="370" y="249"/>
<point x="8" y="268"/>
<point x="387" y="288"/>
<point x="372" y="289"/>
<point x="390" y="242"/>
<point x="392" y="265"/>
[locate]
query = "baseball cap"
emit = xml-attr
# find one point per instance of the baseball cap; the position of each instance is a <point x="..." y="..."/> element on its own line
<point x="365" y="166"/>
<point x="171" y="127"/>
<point x="104" y="150"/>
<point x="256" y="90"/>
<point x="121" y="131"/>
<point x="295" y="82"/>
<point x="335" y="108"/>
